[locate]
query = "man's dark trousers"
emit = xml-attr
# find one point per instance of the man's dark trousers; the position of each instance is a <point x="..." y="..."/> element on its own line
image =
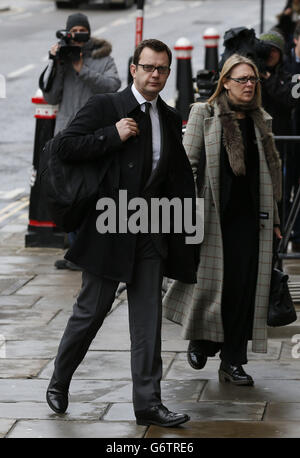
<point x="144" y="300"/>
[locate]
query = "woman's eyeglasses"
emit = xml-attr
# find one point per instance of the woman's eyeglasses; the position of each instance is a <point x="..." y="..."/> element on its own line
<point x="245" y="79"/>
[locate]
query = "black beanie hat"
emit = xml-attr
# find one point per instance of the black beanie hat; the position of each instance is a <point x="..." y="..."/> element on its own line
<point x="78" y="19"/>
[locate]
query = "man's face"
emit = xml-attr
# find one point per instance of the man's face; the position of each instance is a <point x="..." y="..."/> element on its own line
<point x="274" y="57"/>
<point x="78" y="29"/>
<point x="149" y="84"/>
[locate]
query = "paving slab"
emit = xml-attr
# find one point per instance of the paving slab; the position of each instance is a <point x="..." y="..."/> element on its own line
<point x="17" y="301"/>
<point x="26" y="316"/>
<point x="271" y="369"/>
<point x="55" y="301"/>
<point x="5" y="425"/>
<point x="30" y="331"/>
<point x="228" y="429"/>
<point x="104" y="365"/>
<point x="263" y="390"/>
<point x="34" y="390"/>
<point x="9" y="285"/>
<point x="32" y="260"/>
<point x="202" y="410"/>
<point x="43" y="290"/>
<point x="21" y="368"/>
<point x="72" y="279"/>
<point x="282" y="411"/>
<point x="40" y="411"/>
<point x="31" y="349"/>
<point x="75" y="429"/>
<point x="172" y="391"/>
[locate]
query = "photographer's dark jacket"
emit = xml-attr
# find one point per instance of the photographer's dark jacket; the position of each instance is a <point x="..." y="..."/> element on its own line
<point x="93" y="136"/>
<point x="71" y="90"/>
<point x="292" y="66"/>
<point x="278" y="100"/>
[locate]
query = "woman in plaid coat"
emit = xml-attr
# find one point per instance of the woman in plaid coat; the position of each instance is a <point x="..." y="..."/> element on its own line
<point x="241" y="186"/>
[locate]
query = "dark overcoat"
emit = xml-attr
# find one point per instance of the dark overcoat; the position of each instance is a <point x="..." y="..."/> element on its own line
<point x="93" y="136"/>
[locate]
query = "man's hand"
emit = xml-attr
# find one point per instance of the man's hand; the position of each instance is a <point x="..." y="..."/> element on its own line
<point x="78" y="64"/>
<point x="127" y="127"/>
<point x="54" y="49"/>
<point x="265" y="75"/>
<point x="277" y="232"/>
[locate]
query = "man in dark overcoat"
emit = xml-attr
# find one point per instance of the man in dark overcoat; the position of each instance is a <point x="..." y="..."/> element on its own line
<point x="143" y="153"/>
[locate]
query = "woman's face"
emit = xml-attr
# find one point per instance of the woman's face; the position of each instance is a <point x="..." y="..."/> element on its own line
<point x="241" y="92"/>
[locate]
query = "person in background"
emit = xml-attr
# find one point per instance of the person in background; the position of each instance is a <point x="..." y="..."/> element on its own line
<point x="291" y="64"/>
<point x="287" y="21"/>
<point x="278" y="100"/>
<point x="71" y="83"/>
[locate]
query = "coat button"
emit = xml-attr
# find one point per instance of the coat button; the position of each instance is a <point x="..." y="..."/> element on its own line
<point x="131" y="165"/>
<point x="101" y="137"/>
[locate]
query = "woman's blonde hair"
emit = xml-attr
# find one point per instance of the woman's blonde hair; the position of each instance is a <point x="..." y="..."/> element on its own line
<point x="229" y="64"/>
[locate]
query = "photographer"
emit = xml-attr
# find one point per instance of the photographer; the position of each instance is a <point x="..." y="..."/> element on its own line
<point x="278" y="101"/>
<point x="277" y="85"/>
<point x="71" y="78"/>
<point x="71" y="83"/>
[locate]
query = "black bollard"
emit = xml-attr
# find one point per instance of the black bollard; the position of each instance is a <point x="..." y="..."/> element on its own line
<point x="211" y="37"/>
<point x="184" y="79"/>
<point x="42" y="231"/>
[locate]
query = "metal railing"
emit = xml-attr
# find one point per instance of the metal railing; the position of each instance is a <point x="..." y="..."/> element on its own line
<point x="288" y="221"/>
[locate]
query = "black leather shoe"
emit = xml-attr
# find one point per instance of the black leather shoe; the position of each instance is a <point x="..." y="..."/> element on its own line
<point x="57" y="397"/>
<point x="234" y="374"/>
<point x="195" y="357"/>
<point x="160" y="416"/>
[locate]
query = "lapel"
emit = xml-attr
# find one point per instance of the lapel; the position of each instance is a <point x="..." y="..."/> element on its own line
<point x="212" y="139"/>
<point x="161" y="166"/>
<point x="128" y="102"/>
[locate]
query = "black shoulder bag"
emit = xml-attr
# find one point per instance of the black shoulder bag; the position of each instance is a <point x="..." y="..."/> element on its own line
<point x="72" y="188"/>
<point x="281" y="309"/>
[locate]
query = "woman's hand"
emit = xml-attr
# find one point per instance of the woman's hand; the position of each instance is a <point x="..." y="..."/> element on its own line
<point x="277" y="232"/>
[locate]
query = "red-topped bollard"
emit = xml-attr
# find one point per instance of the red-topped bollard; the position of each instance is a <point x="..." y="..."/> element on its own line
<point x="184" y="79"/>
<point x="139" y="27"/>
<point x="211" y="38"/>
<point x="42" y="231"/>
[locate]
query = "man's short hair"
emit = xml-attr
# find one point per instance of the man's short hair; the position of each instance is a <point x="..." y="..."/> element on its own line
<point x="297" y="30"/>
<point x="155" y="45"/>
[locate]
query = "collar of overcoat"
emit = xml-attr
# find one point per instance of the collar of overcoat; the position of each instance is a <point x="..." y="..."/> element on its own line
<point x="129" y="103"/>
<point x="212" y="139"/>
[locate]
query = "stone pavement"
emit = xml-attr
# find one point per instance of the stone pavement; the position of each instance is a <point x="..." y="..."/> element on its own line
<point x="35" y="302"/>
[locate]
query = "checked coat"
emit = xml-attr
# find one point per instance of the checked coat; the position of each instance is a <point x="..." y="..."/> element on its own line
<point x="197" y="307"/>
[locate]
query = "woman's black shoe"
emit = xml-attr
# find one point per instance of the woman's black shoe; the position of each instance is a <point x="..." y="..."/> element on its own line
<point x="195" y="357"/>
<point x="234" y="374"/>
